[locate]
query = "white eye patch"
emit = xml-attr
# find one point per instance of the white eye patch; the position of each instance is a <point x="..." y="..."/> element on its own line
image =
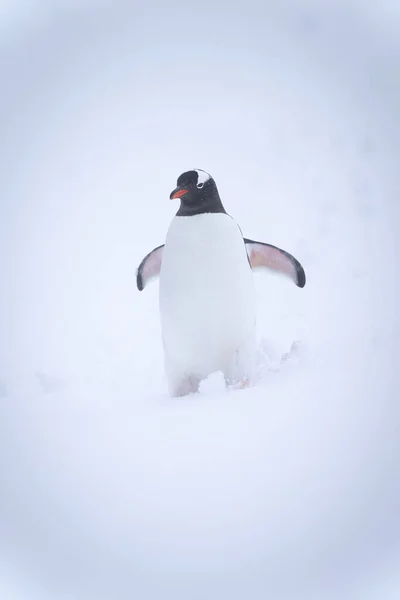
<point x="202" y="177"/>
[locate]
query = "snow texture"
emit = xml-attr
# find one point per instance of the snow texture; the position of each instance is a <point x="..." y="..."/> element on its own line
<point x="111" y="490"/>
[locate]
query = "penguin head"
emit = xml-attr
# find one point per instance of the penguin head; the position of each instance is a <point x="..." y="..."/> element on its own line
<point x="197" y="193"/>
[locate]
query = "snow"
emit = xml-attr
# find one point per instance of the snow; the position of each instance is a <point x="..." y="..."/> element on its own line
<point x="109" y="488"/>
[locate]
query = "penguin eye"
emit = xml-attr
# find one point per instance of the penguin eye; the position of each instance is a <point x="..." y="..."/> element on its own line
<point x="200" y="185"/>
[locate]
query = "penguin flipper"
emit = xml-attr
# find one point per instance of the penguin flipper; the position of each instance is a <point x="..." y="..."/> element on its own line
<point x="271" y="257"/>
<point x="149" y="267"/>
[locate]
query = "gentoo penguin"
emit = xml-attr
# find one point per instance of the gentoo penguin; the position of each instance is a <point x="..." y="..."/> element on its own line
<point x="206" y="292"/>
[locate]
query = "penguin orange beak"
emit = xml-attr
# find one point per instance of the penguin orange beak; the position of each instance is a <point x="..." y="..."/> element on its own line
<point x="178" y="193"/>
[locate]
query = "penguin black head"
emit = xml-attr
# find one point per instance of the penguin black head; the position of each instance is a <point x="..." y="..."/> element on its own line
<point x="198" y="194"/>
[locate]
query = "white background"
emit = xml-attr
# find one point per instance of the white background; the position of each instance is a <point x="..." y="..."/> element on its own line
<point x="110" y="489"/>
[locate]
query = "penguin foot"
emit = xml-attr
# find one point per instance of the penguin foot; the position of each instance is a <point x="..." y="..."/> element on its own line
<point x="189" y="385"/>
<point x="239" y="384"/>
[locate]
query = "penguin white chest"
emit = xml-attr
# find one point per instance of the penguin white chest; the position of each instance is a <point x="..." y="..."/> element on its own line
<point x="206" y="294"/>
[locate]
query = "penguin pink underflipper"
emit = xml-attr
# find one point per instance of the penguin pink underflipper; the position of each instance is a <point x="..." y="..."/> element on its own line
<point x="206" y="296"/>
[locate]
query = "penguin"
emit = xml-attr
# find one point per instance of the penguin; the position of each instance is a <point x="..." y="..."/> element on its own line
<point x="206" y="291"/>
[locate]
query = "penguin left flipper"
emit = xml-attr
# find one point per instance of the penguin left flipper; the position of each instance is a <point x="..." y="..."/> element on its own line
<point x="271" y="257"/>
<point x="149" y="267"/>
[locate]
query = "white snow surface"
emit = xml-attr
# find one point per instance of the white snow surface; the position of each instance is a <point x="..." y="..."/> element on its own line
<point x="110" y="489"/>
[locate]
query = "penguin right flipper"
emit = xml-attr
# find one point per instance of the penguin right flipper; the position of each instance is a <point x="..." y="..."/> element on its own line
<point x="271" y="257"/>
<point x="149" y="267"/>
